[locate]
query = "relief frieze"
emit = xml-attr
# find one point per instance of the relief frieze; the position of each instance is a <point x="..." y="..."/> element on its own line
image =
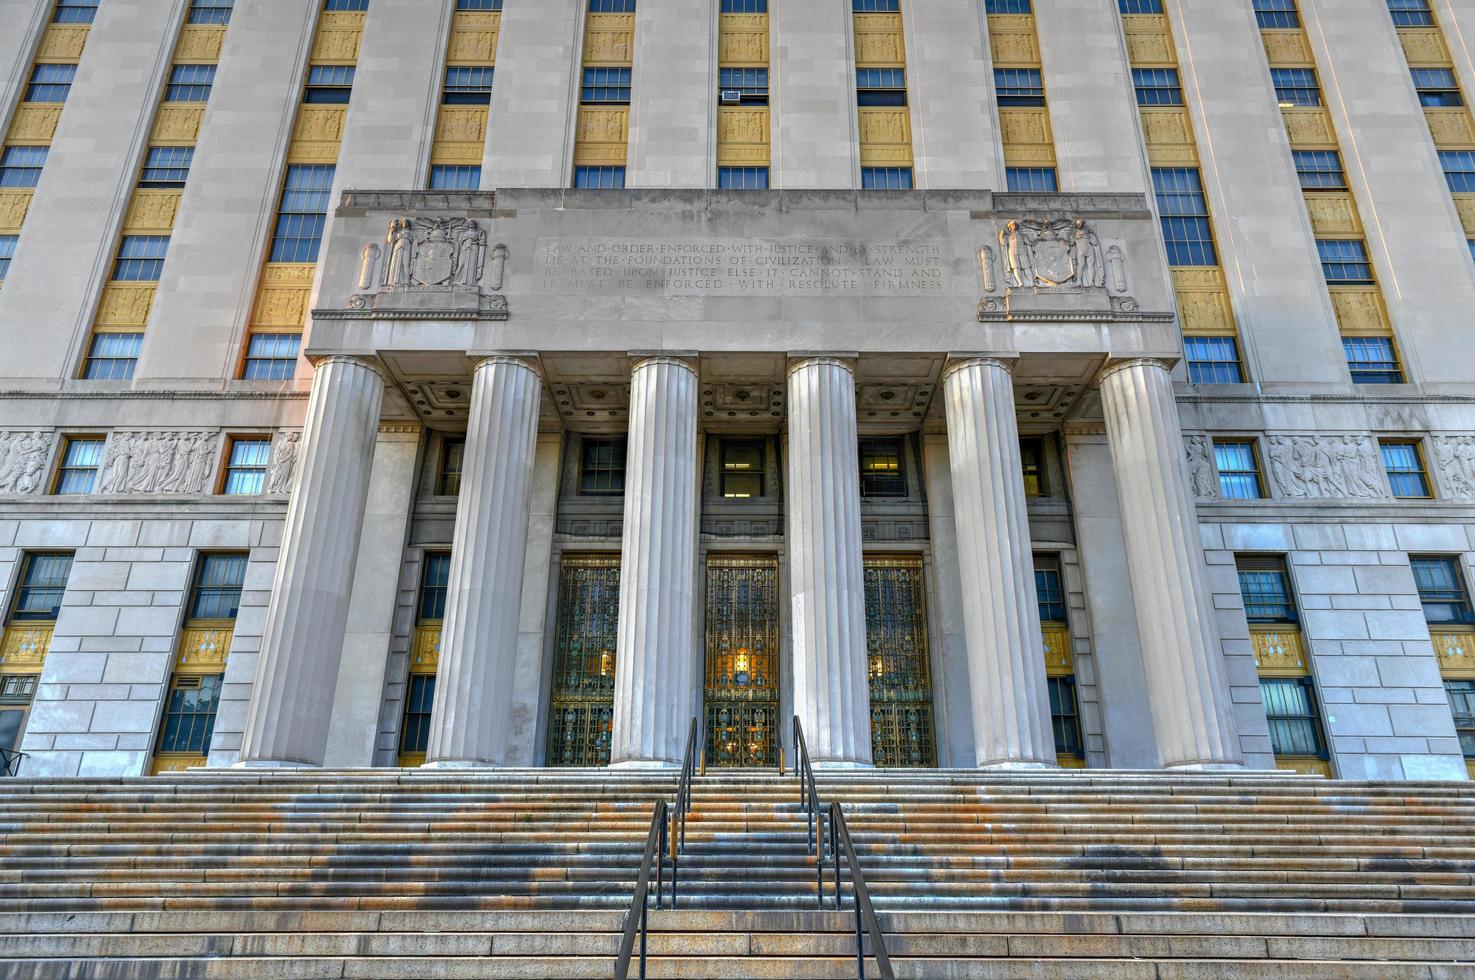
<point x="23" y="457"/>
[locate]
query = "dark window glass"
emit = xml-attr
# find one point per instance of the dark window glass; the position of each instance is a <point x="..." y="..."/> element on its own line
<point x="1277" y="14"/>
<point x="876" y="6"/>
<point x="449" y="177"/>
<point x="1032" y="457"/>
<point x="612" y="6"/>
<point x="606" y="86"/>
<point x="1019" y="87"/>
<point x="189" y="715"/>
<point x="452" y="459"/>
<point x="1008" y="7"/>
<point x="1320" y="170"/>
<point x="210" y="11"/>
<point x="1459" y="170"/>
<point x="468" y="85"/>
<point x="602" y="469"/>
<point x="1437" y="88"/>
<point x="329" y="85"/>
<point x="1411" y="13"/>
<point x="74" y="11"/>
<point x="599" y="178"/>
<point x="1295" y="724"/>
<point x="743" y="86"/>
<point x="1065" y="717"/>
<point x="742" y="178"/>
<point x="1266" y="591"/>
<point x="478" y="4"/>
<point x="245" y="470"/>
<point x="433" y="583"/>
<point x="1441" y="590"/>
<point x="348" y="5"/>
<point x="745" y="6"/>
<point x="1031" y="180"/>
<point x="217" y="590"/>
<point x="419" y="699"/>
<point x="1344" y="261"/>
<point x="1050" y="590"/>
<point x="742" y="468"/>
<point x="1157" y="86"/>
<point x="886" y="178"/>
<point x="1405" y="467"/>
<point x="167" y="166"/>
<point x="271" y="357"/>
<point x="303" y="213"/>
<point x="881" y="470"/>
<point x="1140" y="6"/>
<point x="1213" y="360"/>
<point x="42" y="584"/>
<point x="1462" y="705"/>
<point x="141" y="258"/>
<point x="20" y="166"/>
<point x="112" y="356"/>
<point x="1372" y="360"/>
<point x="1185" y="216"/>
<point x="50" y="83"/>
<point x="7" y="252"/>
<point x="881" y="86"/>
<point x="189" y="83"/>
<point x="1296" y="86"/>
<point x="1239" y="470"/>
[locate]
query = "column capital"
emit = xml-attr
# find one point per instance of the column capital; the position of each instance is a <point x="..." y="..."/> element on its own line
<point x="957" y="362"/>
<point x="840" y="359"/>
<point x="1121" y="364"/>
<point x="681" y="359"/>
<point x="527" y="360"/>
<point x="372" y="363"/>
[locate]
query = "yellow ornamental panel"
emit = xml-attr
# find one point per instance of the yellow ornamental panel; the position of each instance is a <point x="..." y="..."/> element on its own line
<point x="126" y="304"/>
<point x="609" y="39"/>
<point x="1309" y="127"/>
<point x="318" y="133"/>
<point x="743" y="136"/>
<point x="1305" y="765"/>
<point x="1203" y="301"/>
<point x="1059" y="661"/>
<point x="62" y="42"/>
<point x="1287" y="49"/>
<point x="1451" y="128"/>
<point x="885" y="137"/>
<point x="602" y="135"/>
<point x="1169" y="135"/>
<point x="743" y="41"/>
<point x="152" y="211"/>
<point x="1360" y="310"/>
<point x="23" y="649"/>
<point x="1012" y="40"/>
<point x="338" y="37"/>
<point x="425" y="654"/>
<point x="14" y="203"/>
<point x="474" y="37"/>
<point x="200" y="42"/>
<point x="178" y="125"/>
<point x="281" y="299"/>
<point x="1456" y="652"/>
<point x="1149" y="41"/>
<point x="1279" y="652"/>
<point x="878" y="41"/>
<point x="462" y="124"/>
<point x="1333" y="213"/>
<point x="1424" y="47"/>
<point x="176" y="763"/>
<point x="1465" y="205"/>
<point x="34" y="123"/>
<point x="204" y="647"/>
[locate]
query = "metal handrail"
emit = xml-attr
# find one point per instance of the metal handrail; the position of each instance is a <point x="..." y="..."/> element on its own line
<point x="682" y="808"/>
<point x="10" y="761"/>
<point x="809" y="799"/>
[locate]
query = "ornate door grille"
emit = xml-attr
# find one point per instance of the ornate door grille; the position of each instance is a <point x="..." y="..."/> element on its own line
<point x="897" y="661"/>
<point x="742" y="661"/>
<point x="581" y="702"/>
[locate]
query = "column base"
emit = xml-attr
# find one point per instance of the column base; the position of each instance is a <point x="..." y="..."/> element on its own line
<point x="274" y="764"/>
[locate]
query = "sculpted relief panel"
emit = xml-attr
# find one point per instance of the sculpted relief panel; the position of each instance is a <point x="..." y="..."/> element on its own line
<point x="1319" y="467"/>
<point x="1456" y="456"/>
<point x="158" y="462"/>
<point x="1202" y="476"/>
<point x="428" y="266"/>
<point x="23" y="457"/>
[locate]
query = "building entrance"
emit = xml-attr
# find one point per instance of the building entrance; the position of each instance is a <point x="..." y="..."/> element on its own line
<point x="897" y="662"/>
<point x="581" y="708"/>
<point x="741" y="699"/>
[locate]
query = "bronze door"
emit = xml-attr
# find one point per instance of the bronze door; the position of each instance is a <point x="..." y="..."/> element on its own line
<point x="742" y="661"/>
<point x="581" y="701"/>
<point x="897" y="662"/>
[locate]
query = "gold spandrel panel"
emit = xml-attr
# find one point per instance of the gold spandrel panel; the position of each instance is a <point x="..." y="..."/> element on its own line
<point x="34" y="123"/>
<point x="1026" y="127"/>
<point x="879" y="42"/>
<point x="321" y="125"/>
<point x="1305" y="765"/>
<point x="63" y="42"/>
<point x="1470" y="767"/>
<point x="1279" y="652"/>
<point x="1451" y="128"/>
<point x="1059" y="660"/>
<point x="602" y="136"/>
<point x="1070" y="762"/>
<point x="176" y="763"/>
<point x="462" y="124"/>
<point x="742" y="41"/>
<point x="885" y="137"/>
<point x="457" y="154"/>
<point x="1424" y="47"/>
<point x="177" y="125"/>
<point x="1360" y="310"/>
<point x="1465" y="205"/>
<point x="282" y="296"/>
<point x="1168" y="132"/>
<point x="1149" y="40"/>
<point x="338" y="36"/>
<point x="23" y="649"/>
<point x="1455" y="650"/>
<point x="126" y="304"/>
<point x="1309" y="127"/>
<point x="1203" y="301"/>
<point x="425" y="649"/>
<point x="152" y="211"/>
<point x="609" y="39"/>
<point x="200" y="42"/>
<point x="743" y="136"/>
<point x="1287" y="48"/>
<point x="1015" y="47"/>
<point x="204" y="647"/>
<point x="1333" y="213"/>
<point x="1029" y="154"/>
<point x="474" y="35"/>
<point x="14" y="203"/>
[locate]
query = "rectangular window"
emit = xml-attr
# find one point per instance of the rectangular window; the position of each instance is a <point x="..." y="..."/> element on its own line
<point x="881" y="470"/>
<point x="468" y="85"/>
<point x="1019" y="87"/>
<point x="74" y="11"/>
<point x="612" y="6"/>
<point x="112" y="356"/>
<point x="1184" y="213"/>
<point x="303" y="213"/>
<point x="419" y="700"/>
<point x="80" y="460"/>
<point x="478" y="4"/>
<point x="743" y="86"/>
<point x="742" y="468"/>
<point x="886" y="178"/>
<point x="1266" y="589"/>
<point x="167" y="166"/>
<point x="1461" y="695"/>
<point x="189" y="714"/>
<point x="1411" y="13"/>
<point x="189" y="83"/>
<point x="1049" y="589"/>
<point x="1296" y="86"/>
<point x="245" y="467"/>
<point x="1320" y="170"/>
<point x="1344" y="262"/>
<point x="452" y="461"/>
<point x="20" y="166"/>
<point x="1441" y="590"/>
<point x="1277" y="14"/>
<point x="329" y="85"/>
<point x="1404" y="463"/>
<point x="877" y="6"/>
<point x="346" y="5"/>
<point x="1437" y="88"/>
<point x="41" y="587"/>
<point x="605" y="86"/>
<point x="1213" y="360"/>
<point x="1065" y="716"/>
<point x="1459" y="170"/>
<point x="1238" y="464"/>
<point x="141" y="258"/>
<point x="271" y="357"/>
<point x="448" y="177"/>
<point x="1007" y="7"/>
<point x="742" y="178"/>
<point x="50" y="83"/>
<point x="599" y="178"/>
<point x="210" y="11"/>
<point x="1295" y="724"/>
<point x="435" y="578"/>
<point x="216" y="593"/>
<point x="1032" y="461"/>
<point x="16" y="692"/>
<point x="1140" y="6"/>
<point x="602" y="468"/>
<point x="745" y="6"/>
<point x="7" y="252"/>
<point x="1157" y="86"/>
<point x="1372" y="360"/>
<point x="1031" y="180"/>
<point x="881" y="86"/>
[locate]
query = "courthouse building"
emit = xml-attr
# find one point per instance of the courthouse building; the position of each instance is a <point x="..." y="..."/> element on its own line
<point x="1079" y="383"/>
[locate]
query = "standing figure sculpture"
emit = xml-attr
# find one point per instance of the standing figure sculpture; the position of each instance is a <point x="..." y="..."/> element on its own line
<point x="1087" y="247"/>
<point x="401" y="249"/>
<point x="470" y="253"/>
<point x="1019" y="259"/>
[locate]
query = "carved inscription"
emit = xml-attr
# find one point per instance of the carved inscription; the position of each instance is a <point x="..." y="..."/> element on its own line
<point x="742" y="267"/>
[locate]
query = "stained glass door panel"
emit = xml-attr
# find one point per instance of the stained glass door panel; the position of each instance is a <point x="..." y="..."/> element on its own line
<point x="742" y="661"/>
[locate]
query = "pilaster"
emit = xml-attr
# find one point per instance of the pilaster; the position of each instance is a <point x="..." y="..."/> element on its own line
<point x="674" y="88"/>
<point x="535" y="98"/>
<point x="815" y="136"/>
<point x="950" y="83"/>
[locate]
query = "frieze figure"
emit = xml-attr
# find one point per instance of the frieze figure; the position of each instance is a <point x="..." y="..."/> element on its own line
<point x="401" y="250"/>
<point x="23" y="460"/>
<point x="1456" y="455"/>
<point x="1019" y="256"/>
<point x="158" y="462"/>
<point x="1201" y="474"/>
<point x="281" y="472"/>
<point x="1089" y="272"/>
<point x="470" y="254"/>
<point x="1318" y="467"/>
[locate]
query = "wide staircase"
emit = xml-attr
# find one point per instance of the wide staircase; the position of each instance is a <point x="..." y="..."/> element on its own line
<point x="529" y="873"/>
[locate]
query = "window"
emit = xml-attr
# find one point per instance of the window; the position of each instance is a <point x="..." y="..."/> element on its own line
<point x="1459" y="170"/>
<point x="1049" y="590"/>
<point x="447" y="177"/>
<point x="1462" y="705"/>
<point x="112" y="356"/>
<point x="478" y="4"/>
<point x="1437" y="88"/>
<point x="602" y="468"/>
<point x="245" y="467"/>
<point x="1276" y="14"/>
<point x="1441" y="590"/>
<point x="742" y="468"/>
<point x="876" y="6"/>
<point x="1213" y="360"/>
<point x="1266" y="590"/>
<point x="189" y="83"/>
<point x="1140" y="6"/>
<point x="612" y="6"/>
<point x="80" y="460"/>
<point x="189" y="714"/>
<point x="881" y="471"/>
<point x="167" y="166"/>
<point x="1185" y="216"/>
<point x="468" y="85"/>
<point x="140" y="258"/>
<point x="881" y="86"/>
<point x="210" y="11"/>
<point x="216" y="593"/>
<point x="20" y="166"/>
<point x="50" y="83"/>
<point x="750" y="85"/>
<point x="1372" y="360"/>
<point x="1238" y="464"/>
<point x="302" y="214"/>
<point x="74" y="11"/>
<point x="1032" y="460"/>
<point x="1296" y="86"/>
<point x="7" y="252"/>
<point x="271" y="357"/>
<point x="346" y="5"/>
<point x="742" y="178"/>
<point x="42" y="584"/>
<point x="1320" y="170"/>
<point x="434" y="579"/>
<point x="606" y="86"/>
<point x="1031" y="180"/>
<point x="1345" y="262"/>
<point x="328" y="85"/>
<point x="1404" y="464"/>
<point x="1290" y="708"/>
<point x="886" y="178"/>
<point x="745" y="6"/>
<point x="16" y="691"/>
<point x="599" y="178"/>
<point x="1157" y="86"/>
<point x="419" y="699"/>
<point x="1008" y="7"/>
<point x="452" y="461"/>
<point x="1019" y="87"/>
<point x="1065" y="716"/>
<point x="1411" y="13"/>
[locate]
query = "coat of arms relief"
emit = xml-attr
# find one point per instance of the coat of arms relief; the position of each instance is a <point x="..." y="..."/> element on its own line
<point x="1061" y="258"/>
<point x="430" y="265"/>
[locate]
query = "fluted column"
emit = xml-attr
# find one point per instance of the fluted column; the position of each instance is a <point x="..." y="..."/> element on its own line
<point x="1001" y="622"/>
<point x="826" y="577"/>
<point x="470" y="721"/>
<point x="1192" y="714"/>
<point x="654" y="657"/>
<point x="297" y="670"/>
